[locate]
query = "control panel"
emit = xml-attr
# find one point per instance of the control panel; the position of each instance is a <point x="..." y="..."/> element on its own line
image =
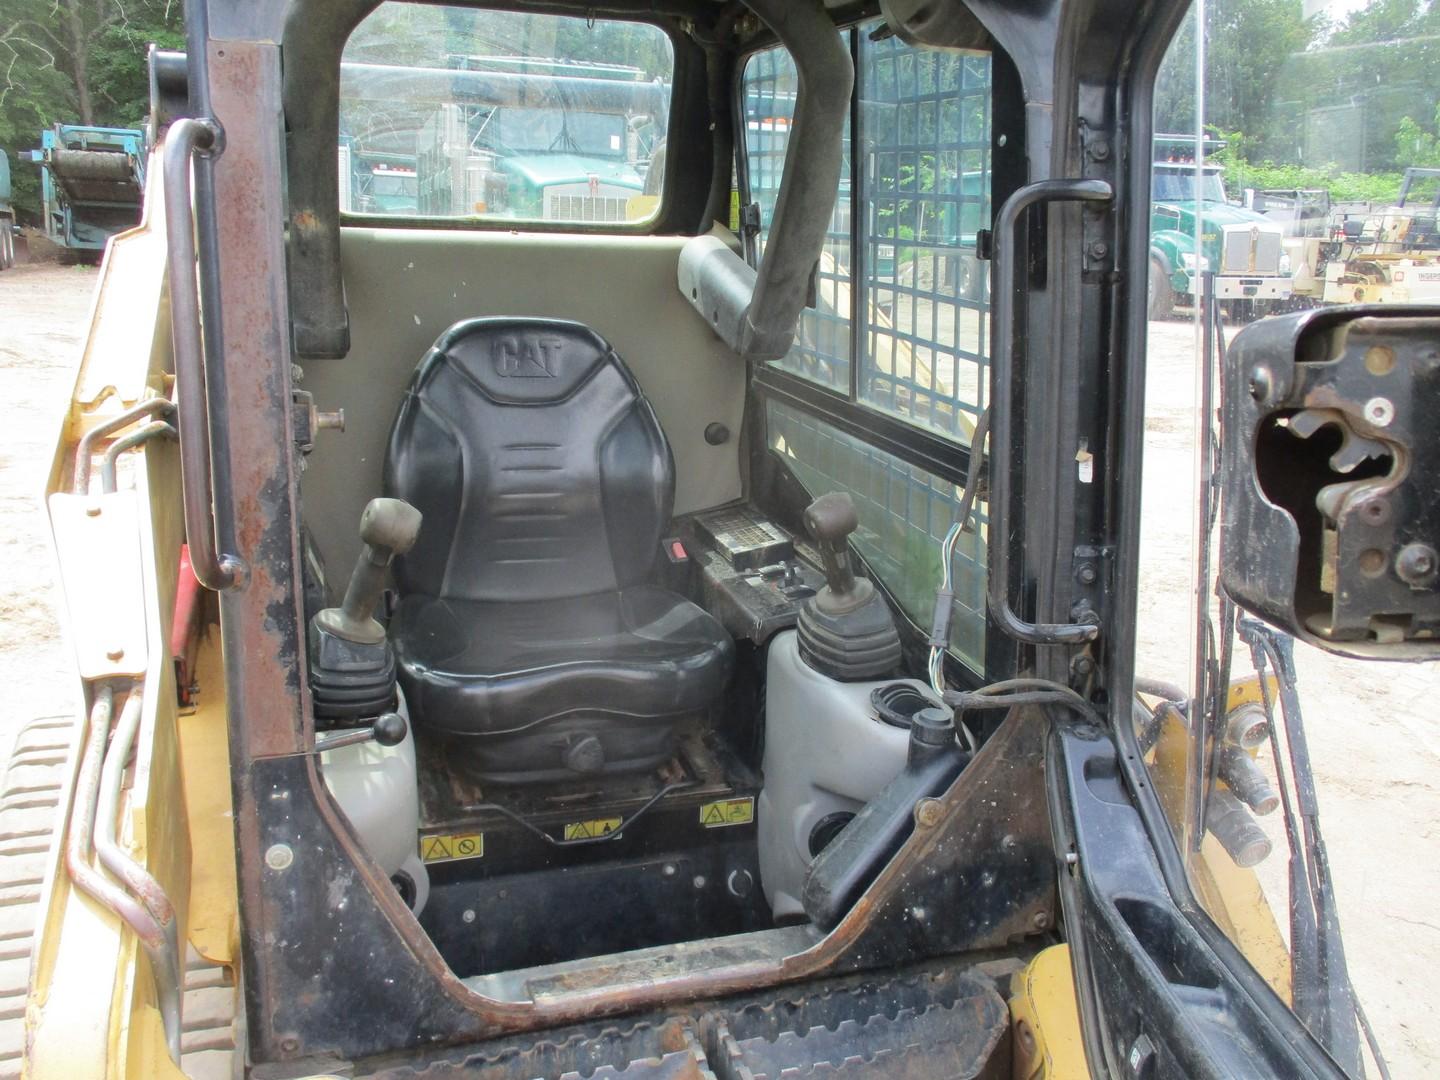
<point x="752" y="575"/>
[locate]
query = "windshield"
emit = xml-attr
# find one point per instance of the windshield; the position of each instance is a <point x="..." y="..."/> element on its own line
<point x="1178" y="185"/>
<point x="556" y="131"/>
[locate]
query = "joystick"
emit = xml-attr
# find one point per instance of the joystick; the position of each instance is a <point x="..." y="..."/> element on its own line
<point x="846" y="630"/>
<point x="352" y="667"/>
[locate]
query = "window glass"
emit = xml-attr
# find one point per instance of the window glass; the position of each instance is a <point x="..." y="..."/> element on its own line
<point x="460" y="113"/>
<point x="925" y="187"/>
<point x="1312" y="118"/>
<point x="919" y="324"/>
<point x="904" y="513"/>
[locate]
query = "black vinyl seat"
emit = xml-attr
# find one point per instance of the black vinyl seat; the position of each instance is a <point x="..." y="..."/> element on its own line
<point x="527" y="624"/>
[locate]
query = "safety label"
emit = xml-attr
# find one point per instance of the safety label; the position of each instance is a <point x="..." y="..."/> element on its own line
<point x="590" y="830"/>
<point x="454" y="846"/>
<point x="714" y="815"/>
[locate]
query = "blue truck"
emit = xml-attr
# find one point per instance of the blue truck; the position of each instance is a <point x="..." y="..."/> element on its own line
<point x="7" y="216"/>
<point x="92" y="182"/>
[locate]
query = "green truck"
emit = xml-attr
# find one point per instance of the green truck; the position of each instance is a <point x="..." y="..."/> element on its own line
<point x="1243" y="248"/>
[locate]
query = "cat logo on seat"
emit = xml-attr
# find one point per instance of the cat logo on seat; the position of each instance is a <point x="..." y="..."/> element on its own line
<point x="526" y="357"/>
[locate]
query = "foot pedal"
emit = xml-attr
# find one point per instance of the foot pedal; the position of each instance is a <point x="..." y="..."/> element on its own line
<point x="951" y="1027"/>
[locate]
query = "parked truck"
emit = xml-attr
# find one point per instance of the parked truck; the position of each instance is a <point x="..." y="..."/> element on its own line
<point x="92" y="181"/>
<point x="1244" y="248"/>
<point x="7" y="216"/>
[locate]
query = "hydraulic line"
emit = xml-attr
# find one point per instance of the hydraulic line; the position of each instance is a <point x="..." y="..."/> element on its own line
<point x="79" y="849"/>
<point x="135" y="877"/>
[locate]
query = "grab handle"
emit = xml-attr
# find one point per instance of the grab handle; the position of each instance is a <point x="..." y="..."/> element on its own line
<point x="1002" y="406"/>
<point x="213" y="569"/>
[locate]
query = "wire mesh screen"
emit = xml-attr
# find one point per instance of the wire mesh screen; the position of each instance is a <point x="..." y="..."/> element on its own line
<point x="917" y="329"/>
<point x="923" y="174"/>
<point x="925" y="189"/>
<point x="904" y="512"/>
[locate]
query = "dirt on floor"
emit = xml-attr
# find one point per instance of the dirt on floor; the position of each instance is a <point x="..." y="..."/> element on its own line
<point x="1373" y="728"/>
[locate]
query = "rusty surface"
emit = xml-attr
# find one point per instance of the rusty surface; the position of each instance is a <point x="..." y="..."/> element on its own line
<point x="321" y="994"/>
<point x="335" y="964"/>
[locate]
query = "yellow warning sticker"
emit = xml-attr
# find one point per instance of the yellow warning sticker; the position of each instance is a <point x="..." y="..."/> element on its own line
<point x="590" y="830"/>
<point x="714" y="815"/>
<point x="454" y="846"/>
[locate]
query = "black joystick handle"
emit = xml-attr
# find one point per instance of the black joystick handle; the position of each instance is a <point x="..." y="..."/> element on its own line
<point x="389" y="527"/>
<point x="831" y="519"/>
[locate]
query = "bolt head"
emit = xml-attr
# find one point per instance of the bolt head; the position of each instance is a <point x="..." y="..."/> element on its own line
<point x="1416" y="565"/>
<point x="279" y="856"/>
<point x="928" y="813"/>
<point x="1261" y="383"/>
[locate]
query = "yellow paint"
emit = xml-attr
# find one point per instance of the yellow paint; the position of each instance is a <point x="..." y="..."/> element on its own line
<point x="90" y="984"/>
<point x="589" y="830"/>
<point x="149" y="1057"/>
<point x="1046" y="1033"/>
<point x="452" y="847"/>
<point x="641" y="207"/>
<point x="722" y="812"/>
<point x="1231" y="894"/>
<point x="205" y="766"/>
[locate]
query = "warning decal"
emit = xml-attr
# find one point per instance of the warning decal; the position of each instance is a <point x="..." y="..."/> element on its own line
<point x="454" y="846"/>
<point x="714" y="815"/>
<point x="590" y="830"/>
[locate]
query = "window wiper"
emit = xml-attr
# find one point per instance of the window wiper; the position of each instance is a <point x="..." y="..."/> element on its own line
<point x="1322" y="995"/>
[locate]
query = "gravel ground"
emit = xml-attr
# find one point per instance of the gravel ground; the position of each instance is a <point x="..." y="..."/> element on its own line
<point x="1373" y="730"/>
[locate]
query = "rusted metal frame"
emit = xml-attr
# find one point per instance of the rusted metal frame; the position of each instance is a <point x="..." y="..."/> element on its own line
<point x="214" y="569"/>
<point x="108" y="467"/>
<point x="80" y="848"/>
<point x="309" y="987"/>
<point x="135" y="877"/>
<point x="85" y="450"/>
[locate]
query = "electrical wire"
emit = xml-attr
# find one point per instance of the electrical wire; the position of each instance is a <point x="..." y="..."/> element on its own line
<point x="945" y="593"/>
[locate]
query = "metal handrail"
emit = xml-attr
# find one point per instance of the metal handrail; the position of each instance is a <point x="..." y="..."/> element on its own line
<point x="1002" y="406"/>
<point x="214" y="569"/>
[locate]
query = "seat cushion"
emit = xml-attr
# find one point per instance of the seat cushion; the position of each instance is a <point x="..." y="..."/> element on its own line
<point x="495" y="668"/>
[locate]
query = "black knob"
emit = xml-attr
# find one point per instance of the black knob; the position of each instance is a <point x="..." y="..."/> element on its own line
<point x="390" y="729"/>
<point x="830" y="519"/>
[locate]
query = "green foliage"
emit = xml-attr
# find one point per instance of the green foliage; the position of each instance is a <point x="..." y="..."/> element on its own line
<point x="1414" y="146"/>
<point x="74" y="61"/>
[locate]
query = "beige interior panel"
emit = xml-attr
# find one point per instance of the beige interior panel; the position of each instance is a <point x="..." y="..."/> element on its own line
<point x="405" y="286"/>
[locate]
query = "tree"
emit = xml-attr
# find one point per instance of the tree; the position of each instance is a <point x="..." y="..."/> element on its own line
<point x="1247" y="45"/>
<point x="75" y="61"/>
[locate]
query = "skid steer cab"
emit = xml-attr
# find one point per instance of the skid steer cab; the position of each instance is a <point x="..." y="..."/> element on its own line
<point x="657" y="627"/>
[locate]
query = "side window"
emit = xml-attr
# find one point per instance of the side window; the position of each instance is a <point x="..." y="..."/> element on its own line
<point x="453" y="112"/>
<point x="900" y="325"/>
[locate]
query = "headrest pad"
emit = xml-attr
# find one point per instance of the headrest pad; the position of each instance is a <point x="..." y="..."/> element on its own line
<point x="523" y="361"/>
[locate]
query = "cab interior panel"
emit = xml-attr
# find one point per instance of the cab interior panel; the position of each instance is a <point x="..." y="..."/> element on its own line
<point x="405" y="286"/>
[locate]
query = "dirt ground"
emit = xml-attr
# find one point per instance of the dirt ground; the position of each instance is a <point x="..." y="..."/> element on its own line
<point x="1373" y="729"/>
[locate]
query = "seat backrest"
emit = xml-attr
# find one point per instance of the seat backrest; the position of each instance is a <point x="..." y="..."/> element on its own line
<point x="539" y="465"/>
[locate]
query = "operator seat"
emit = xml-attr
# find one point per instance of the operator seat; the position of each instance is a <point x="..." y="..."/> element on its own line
<point x="527" y="630"/>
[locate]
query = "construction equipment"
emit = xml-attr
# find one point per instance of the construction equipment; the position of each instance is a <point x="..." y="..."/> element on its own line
<point x="1390" y="256"/>
<point x="710" y="693"/>
<point x="1242" y="248"/>
<point x="92" y="183"/>
<point x="7" y="216"/>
